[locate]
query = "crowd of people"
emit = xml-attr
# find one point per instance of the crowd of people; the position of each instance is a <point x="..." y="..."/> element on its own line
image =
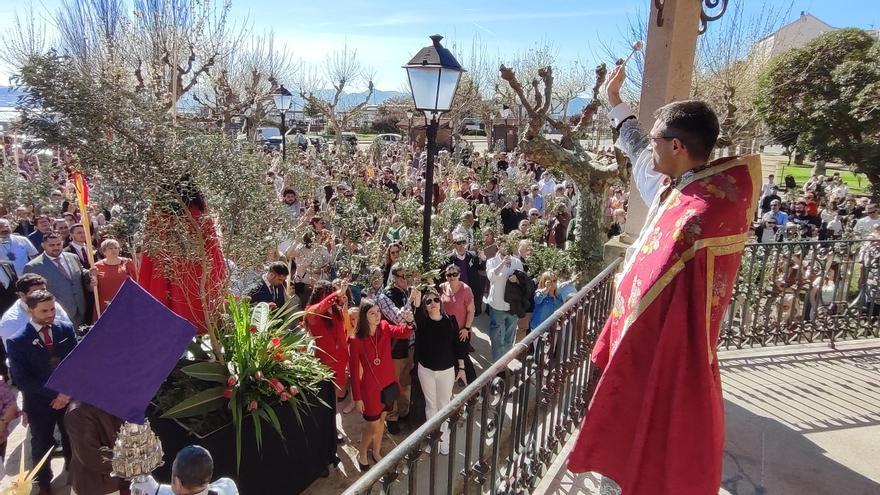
<point x="396" y="344"/>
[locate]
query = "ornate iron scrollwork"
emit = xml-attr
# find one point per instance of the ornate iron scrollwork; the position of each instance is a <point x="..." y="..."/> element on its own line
<point x="712" y="11"/>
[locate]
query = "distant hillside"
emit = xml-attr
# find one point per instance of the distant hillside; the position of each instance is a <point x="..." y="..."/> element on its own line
<point x="9" y="97"/>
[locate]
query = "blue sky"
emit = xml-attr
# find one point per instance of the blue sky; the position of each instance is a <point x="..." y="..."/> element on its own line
<point x="387" y="33"/>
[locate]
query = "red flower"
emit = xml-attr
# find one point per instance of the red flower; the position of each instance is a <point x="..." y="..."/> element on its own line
<point x="285" y="396"/>
<point x="278" y="357"/>
<point x="252" y="406"/>
<point x="276" y="341"/>
<point x="231" y="381"/>
<point x="253" y="329"/>
<point x="277" y="385"/>
<point x="227" y="393"/>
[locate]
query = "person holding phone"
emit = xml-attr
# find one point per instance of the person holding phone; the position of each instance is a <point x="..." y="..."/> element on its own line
<point x="441" y="348"/>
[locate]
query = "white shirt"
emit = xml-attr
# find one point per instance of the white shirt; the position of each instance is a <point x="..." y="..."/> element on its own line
<point x="767" y="189"/>
<point x="647" y="180"/>
<point x="21" y="249"/>
<point x="80" y="251"/>
<point x="865" y="226"/>
<point x="498" y="275"/>
<point x="16" y="317"/>
<point x="223" y="486"/>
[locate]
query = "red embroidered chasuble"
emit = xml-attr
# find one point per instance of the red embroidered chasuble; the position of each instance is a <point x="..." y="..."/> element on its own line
<point x="656" y="422"/>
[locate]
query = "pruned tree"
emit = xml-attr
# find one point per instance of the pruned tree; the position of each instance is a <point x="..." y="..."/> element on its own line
<point x="341" y="70"/>
<point x="25" y="38"/>
<point x="242" y="82"/>
<point x="567" y="156"/>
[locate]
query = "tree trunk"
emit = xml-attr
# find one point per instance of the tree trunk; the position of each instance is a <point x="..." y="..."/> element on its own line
<point x="819" y="169"/>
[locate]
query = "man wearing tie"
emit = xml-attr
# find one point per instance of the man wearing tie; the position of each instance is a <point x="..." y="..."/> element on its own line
<point x="77" y="244"/>
<point x="271" y="288"/>
<point x="65" y="277"/>
<point x="34" y="353"/>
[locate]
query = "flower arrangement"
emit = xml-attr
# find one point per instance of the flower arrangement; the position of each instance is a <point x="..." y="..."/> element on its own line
<point x="263" y="364"/>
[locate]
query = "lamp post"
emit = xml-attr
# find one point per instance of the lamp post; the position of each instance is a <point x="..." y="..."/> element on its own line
<point x="433" y="79"/>
<point x="282" y="98"/>
<point x="409" y="116"/>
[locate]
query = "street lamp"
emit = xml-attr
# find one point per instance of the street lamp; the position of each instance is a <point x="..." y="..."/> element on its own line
<point x="433" y="79"/>
<point x="282" y="98"/>
<point x="409" y="116"/>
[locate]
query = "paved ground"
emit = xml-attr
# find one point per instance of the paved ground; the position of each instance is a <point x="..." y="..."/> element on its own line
<point x="799" y="420"/>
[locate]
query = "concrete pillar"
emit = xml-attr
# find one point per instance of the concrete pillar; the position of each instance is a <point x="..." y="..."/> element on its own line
<point x="668" y="70"/>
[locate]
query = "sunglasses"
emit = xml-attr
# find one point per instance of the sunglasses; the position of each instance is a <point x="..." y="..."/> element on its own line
<point x="451" y="275"/>
<point x="432" y="300"/>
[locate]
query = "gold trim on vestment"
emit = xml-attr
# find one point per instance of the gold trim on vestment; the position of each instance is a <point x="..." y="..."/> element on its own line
<point x="727" y="244"/>
<point x="710" y="282"/>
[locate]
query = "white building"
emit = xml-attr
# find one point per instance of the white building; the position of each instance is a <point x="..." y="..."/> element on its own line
<point x="793" y="35"/>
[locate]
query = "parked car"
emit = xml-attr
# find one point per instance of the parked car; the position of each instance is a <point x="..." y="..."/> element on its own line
<point x="265" y="136"/>
<point x="389" y="138"/>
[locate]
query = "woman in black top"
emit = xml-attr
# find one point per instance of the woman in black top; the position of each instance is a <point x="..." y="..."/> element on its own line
<point x="438" y="346"/>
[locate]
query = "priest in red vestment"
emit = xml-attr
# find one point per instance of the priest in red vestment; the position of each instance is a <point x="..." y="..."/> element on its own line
<point x="655" y="424"/>
<point x="176" y="278"/>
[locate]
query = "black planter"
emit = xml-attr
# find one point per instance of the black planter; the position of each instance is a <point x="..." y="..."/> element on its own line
<point x="283" y="466"/>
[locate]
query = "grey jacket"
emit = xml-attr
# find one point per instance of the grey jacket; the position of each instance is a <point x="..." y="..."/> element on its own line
<point x="69" y="292"/>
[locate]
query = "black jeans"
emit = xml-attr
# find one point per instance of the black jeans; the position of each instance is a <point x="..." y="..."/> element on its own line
<point x="42" y="423"/>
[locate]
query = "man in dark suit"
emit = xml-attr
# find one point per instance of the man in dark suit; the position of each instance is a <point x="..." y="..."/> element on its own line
<point x="65" y="278"/>
<point x="8" y="296"/>
<point x="77" y="244"/>
<point x="271" y="287"/>
<point x="34" y="353"/>
<point x="469" y="265"/>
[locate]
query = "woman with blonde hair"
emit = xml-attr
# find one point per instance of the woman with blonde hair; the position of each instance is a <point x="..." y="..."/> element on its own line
<point x="112" y="272"/>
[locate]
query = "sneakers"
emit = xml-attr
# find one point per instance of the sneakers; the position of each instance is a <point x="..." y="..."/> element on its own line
<point x="393" y="427"/>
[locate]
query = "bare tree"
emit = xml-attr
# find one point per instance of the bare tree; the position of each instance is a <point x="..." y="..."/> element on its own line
<point x="341" y="70"/>
<point x="242" y="82"/>
<point x="25" y="38"/>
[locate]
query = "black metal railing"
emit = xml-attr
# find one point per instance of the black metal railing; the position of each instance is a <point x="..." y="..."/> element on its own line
<point x="508" y="425"/>
<point x="803" y="292"/>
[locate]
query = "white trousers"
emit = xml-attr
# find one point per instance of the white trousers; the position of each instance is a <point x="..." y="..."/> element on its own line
<point x="437" y="388"/>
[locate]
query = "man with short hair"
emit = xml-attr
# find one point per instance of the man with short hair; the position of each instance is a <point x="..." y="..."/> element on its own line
<point x="23" y="218"/>
<point x="865" y="225"/>
<point x="16" y="317"/>
<point x="502" y="323"/>
<point x="15" y="248"/>
<point x="776" y="210"/>
<point x="60" y="226"/>
<point x="43" y="226"/>
<point x="34" y="352"/>
<point x="469" y="266"/>
<point x="292" y="206"/>
<point x="271" y="288"/>
<point x="77" y="244"/>
<point x="191" y="474"/>
<point x="65" y="278"/>
<point x="658" y="405"/>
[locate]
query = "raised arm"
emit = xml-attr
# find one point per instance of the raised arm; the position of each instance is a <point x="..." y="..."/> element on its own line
<point x="633" y="140"/>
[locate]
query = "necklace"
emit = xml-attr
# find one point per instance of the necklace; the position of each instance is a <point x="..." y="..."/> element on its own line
<point x="376" y="360"/>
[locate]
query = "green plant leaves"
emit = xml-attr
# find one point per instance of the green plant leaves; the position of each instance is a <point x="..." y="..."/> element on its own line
<point x="209" y="371"/>
<point x="203" y="402"/>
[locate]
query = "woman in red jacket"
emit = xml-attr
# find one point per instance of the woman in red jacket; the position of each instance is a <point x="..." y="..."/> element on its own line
<point x="371" y="351"/>
<point x="326" y="323"/>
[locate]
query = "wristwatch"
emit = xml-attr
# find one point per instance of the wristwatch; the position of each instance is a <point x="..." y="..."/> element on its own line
<point x="466" y="328"/>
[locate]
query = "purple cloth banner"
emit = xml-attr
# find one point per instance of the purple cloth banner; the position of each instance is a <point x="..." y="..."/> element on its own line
<point x="125" y="357"/>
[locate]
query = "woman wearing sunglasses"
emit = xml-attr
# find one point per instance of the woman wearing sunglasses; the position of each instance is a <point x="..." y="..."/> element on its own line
<point x="439" y="347"/>
<point x="457" y="300"/>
